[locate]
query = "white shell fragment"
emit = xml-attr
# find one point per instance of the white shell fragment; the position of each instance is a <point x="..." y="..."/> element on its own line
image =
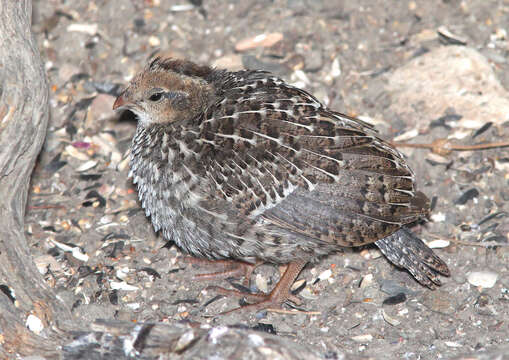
<point x="438" y="244"/>
<point x="297" y="284"/>
<point x="90" y="29"/>
<point x="133" y="306"/>
<point x="407" y="135"/>
<point x="483" y="278"/>
<point x="183" y="7"/>
<point x="438" y="217"/>
<point x="307" y="293"/>
<point x="86" y="166"/>
<point x="453" y="344"/>
<point x="217" y="332"/>
<point x="75" y="153"/>
<point x="184" y="341"/>
<point x="34" y="324"/>
<point x="389" y="319"/>
<point x="362" y="338"/>
<point x="437" y="158"/>
<point x="335" y="70"/>
<point x="122" y="285"/>
<point x="325" y="275"/>
<point x="366" y="281"/>
<point x="75" y="251"/>
<point x="448" y="37"/>
<point x="122" y="273"/>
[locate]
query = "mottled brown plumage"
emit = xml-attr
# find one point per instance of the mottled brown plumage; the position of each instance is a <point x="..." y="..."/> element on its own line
<point x="242" y="166"/>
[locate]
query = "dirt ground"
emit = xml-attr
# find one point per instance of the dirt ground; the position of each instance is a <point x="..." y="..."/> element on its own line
<point x="98" y="251"/>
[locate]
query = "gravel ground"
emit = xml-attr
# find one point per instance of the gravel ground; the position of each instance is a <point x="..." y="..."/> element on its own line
<point x="100" y="254"/>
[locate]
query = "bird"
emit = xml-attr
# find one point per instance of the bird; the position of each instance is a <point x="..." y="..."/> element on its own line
<point x="241" y="167"/>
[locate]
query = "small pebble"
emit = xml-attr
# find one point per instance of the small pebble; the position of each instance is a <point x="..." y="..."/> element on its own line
<point x="261" y="283"/>
<point x="483" y="278"/>
<point x="466" y="196"/>
<point x="439" y="301"/>
<point x="313" y="61"/>
<point x="184" y="341"/>
<point x="396" y="299"/>
<point x="154" y="41"/>
<point x="34" y="324"/>
<point x="370" y="254"/>
<point x="392" y="288"/>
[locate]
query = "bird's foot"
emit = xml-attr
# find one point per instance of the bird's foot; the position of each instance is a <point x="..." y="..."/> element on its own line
<point x="259" y="301"/>
<point x="275" y="299"/>
<point x="227" y="269"/>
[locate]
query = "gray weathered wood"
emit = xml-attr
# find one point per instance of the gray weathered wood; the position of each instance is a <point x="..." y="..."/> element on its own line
<point x="23" y="121"/>
<point x="182" y="341"/>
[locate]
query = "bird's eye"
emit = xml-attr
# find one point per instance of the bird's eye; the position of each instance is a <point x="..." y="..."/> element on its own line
<point x="156" y="96"/>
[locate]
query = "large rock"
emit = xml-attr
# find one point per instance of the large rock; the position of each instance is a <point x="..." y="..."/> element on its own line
<point x="449" y="77"/>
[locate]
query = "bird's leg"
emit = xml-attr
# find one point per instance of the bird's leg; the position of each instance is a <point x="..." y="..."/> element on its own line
<point x="280" y="294"/>
<point x="227" y="269"/>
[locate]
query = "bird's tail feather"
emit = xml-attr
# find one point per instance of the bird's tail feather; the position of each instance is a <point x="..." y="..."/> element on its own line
<point x="406" y="250"/>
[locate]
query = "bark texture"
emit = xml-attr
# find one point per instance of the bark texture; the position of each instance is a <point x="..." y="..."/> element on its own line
<point x="23" y="121"/>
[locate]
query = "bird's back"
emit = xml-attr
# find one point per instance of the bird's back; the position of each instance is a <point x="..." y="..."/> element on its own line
<point x="275" y="152"/>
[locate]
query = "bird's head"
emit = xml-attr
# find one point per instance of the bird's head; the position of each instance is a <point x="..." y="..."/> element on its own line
<point x="167" y="90"/>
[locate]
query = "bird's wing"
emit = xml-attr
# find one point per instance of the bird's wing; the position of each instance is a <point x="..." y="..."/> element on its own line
<point x="276" y="154"/>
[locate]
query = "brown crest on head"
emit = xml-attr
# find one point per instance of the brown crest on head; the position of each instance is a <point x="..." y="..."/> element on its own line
<point x="179" y="66"/>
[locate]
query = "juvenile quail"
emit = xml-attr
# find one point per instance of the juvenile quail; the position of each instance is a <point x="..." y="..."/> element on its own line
<point x="242" y="166"/>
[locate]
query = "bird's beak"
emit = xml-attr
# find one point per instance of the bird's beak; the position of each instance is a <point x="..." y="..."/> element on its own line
<point x="120" y="102"/>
